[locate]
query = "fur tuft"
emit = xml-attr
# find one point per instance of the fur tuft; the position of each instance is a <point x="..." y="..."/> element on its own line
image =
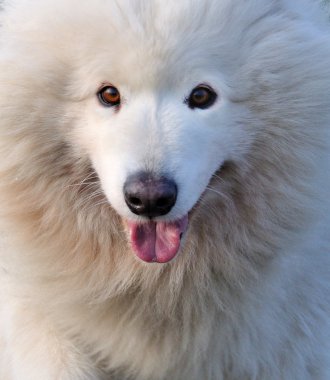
<point x="248" y="295"/>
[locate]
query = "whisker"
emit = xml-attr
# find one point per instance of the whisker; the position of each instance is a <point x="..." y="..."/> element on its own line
<point x="98" y="204"/>
<point x="94" y="195"/>
<point x="214" y="191"/>
<point x="90" y="179"/>
<point x="79" y="184"/>
<point x="227" y="199"/>
<point x="217" y="176"/>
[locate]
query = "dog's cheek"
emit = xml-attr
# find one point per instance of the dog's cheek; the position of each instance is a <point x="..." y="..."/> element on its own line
<point x="210" y="140"/>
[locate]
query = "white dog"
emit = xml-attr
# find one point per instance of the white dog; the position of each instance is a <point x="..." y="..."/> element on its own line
<point x="164" y="190"/>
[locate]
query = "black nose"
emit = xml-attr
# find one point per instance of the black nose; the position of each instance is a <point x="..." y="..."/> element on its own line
<point x="148" y="196"/>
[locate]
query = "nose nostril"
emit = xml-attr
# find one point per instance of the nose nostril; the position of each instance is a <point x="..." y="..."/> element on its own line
<point x="134" y="201"/>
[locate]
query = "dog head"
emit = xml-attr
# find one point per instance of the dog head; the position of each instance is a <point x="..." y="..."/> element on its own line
<point x="158" y="98"/>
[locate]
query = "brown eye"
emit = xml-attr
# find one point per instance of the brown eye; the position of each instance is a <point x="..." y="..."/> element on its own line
<point x="109" y="96"/>
<point x="201" y="97"/>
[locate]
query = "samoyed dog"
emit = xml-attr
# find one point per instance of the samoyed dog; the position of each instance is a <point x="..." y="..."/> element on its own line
<point x="164" y="190"/>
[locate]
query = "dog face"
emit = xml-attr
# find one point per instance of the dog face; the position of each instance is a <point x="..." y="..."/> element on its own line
<point x="158" y="123"/>
<point x="155" y="130"/>
<point x="157" y="104"/>
<point x="157" y="149"/>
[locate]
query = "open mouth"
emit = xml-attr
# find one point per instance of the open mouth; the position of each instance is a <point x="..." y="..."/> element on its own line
<point x="157" y="242"/>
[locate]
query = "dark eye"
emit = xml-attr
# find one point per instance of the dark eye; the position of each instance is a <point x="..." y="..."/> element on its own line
<point x="201" y="97"/>
<point x="109" y="96"/>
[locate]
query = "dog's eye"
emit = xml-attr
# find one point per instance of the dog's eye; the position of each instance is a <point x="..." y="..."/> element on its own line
<point x="201" y="97"/>
<point x="109" y="96"/>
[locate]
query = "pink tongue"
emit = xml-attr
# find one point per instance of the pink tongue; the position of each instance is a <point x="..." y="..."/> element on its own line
<point x="157" y="241"/>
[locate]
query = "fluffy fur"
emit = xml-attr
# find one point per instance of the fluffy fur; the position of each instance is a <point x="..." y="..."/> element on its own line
<point x="248" y="295"/>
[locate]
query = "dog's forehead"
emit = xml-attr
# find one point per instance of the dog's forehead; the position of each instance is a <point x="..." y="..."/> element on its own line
<point x="151" y="62"/>
<point x="156" y="41"/>
<point x="151" y="40"/>
<point x="146" y="38"/>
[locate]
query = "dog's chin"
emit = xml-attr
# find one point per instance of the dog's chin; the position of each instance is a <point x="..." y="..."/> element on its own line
<point x="156" y="241"/>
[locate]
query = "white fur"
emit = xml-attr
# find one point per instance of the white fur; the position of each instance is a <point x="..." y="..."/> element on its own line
<point x="248" y="295"/>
